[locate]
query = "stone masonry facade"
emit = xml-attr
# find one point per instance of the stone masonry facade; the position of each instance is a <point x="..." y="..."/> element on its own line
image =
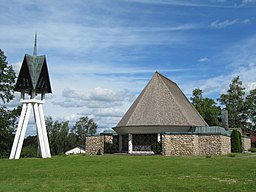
<point x="175" y="144"/>
<point x="189" y="145"/>
<point x="95" y="144"/>
<point x="246" y="142"/>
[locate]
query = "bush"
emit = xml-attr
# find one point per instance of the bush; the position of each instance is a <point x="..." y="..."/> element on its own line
<point x="231" y="155"/>
<point x="236" y="143"/>
<point x="110" y="147"/>
<point x="29" y="151"/>
<point x="156" y="148"/>
<point x="99" y="152"/>
<point x="253" y="150"/>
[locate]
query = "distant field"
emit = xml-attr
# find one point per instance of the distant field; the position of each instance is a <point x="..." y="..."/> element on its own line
<point x="129" y="173"/>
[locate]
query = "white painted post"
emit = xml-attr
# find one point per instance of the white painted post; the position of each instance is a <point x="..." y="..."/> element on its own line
<point x="158" y="137"/>
<point x="23" y="131"/>
<point x="129" y="143"/>
<point x="39" y="130"/>
<point x="18" y="131"/>
<point x="45" y="138"/>
<point x="120" y="142"/>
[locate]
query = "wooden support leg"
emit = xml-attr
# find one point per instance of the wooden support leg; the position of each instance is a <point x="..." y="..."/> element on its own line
<point x="23" y="131"/>
<point x="18" y="131"/>
<point x="45" y="138"/>
<point x="43" y="142"/>
<point x="39" y="130"/>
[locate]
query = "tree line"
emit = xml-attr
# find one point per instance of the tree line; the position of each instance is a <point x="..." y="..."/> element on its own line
<point x="241" y="108"/>
<point x="61" y="136"/>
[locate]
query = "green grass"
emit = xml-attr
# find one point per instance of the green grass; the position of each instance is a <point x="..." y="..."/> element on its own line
<point x="129" y="173"/>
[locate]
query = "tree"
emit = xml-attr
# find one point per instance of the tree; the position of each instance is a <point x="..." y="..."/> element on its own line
<point x="233" y="101"/>
<point x="7" y="79"/>
<point x="206" y="107"/>
<point x="250" y="108"/>
<point x="58" y="135"/>
<point x="7" y="117"/>
<point x="30" y="147"/>
<point x="61" y="138"/>
<point x="84" y="126"/>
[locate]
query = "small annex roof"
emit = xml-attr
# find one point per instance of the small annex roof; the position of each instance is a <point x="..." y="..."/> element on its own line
<point x="161" y="103"/>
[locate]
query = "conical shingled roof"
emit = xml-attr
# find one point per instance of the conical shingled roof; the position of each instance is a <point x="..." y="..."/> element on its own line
<point x="161" y="103"/>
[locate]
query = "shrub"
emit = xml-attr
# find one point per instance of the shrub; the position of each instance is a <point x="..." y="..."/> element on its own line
<point x="156" y="148"/>
<point x="110" y="147"/>
<point x="236" y="143"/>
<point x="253" y="150"/>
<point x="99" y="152"/>
<point x="29" y="151"/>
<point x="231" y="155"/>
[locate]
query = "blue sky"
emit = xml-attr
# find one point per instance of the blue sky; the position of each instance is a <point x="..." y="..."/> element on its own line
<point x="102" y="53"/>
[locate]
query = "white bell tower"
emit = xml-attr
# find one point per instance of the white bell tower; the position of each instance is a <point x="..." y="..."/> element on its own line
<point x="33" y="80"/>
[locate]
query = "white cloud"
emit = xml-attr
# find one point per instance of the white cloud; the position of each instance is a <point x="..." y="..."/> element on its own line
<point x="239" y="60"/>
<point x="250" y="86"/>
<point x="226" y="23"/>
<point x="248" y="1"/>
<point x="204" y="59"/>
<point x="195" y="3"/>
<point x="99" y="94"/>
<point x="223" y="24"/>
<point x="105" y="106"/>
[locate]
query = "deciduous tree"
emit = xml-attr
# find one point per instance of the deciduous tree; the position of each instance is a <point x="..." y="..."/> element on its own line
<point x="58" y="135"/>
<point x="84" y="126"/>
<point x="8" y="117"/>
<point x="250" y="108"/>
<point x="206" y="107"/>
<point x="233" y="101"/>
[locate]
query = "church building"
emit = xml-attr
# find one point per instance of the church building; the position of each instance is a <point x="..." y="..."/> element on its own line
<point x="163" y="115"/>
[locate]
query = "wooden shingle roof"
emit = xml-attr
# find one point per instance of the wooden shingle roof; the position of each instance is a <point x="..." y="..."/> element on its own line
<point x="161" y="103"/>
<point x="33" y="75"/>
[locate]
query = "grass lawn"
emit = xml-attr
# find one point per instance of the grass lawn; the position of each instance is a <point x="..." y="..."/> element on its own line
<point x="129" y="173"/>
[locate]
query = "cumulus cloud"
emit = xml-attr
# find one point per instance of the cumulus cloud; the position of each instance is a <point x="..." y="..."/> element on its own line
<point x="99" y="94"/>
<point x="108" y="112"/>
<point x="105" y="106"/>
<point x="68" y="103"/>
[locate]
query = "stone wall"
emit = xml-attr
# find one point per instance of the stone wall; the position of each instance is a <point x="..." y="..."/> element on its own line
<point x="94" y="145"/>
<point x="108" y="138"/>
<point x="246" y="142"/>
<point x="214" y="144"/>
<point x="225" y="144"/>
<point x="187" y="145"/>
<point x="176" y="144"/>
